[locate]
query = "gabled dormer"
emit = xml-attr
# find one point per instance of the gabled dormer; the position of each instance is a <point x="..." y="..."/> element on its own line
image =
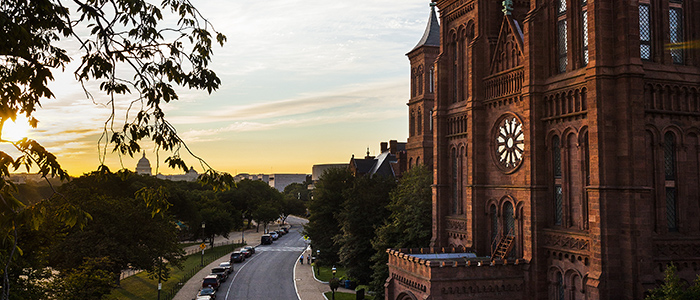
<point x="508" y="53"/>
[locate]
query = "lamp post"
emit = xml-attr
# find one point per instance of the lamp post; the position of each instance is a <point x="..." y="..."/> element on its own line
<point x="201" y="264"/>
<point x="333" y="270"/>
<point x="318" y="270"/>
<point x="243" y="230"/>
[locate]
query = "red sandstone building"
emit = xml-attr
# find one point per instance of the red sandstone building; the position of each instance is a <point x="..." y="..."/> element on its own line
<point x="565" y="141"/>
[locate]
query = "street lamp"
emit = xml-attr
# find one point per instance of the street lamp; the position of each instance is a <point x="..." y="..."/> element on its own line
<point x="243" y="230"/>
<point x="201" y="264"/>
<point x="333" y="270"/>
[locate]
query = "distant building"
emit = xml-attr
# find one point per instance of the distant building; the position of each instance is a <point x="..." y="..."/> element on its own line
<point x="318" y="170"/>
<point x="280" y="181"/>
<point x="191" y="175"/>
<point x="390" y="162"/>
<point x="144" y="166"/>
<point x="261" y="177"/>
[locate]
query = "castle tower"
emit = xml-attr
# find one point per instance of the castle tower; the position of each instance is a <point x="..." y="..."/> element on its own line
<point x="422" y="57"/>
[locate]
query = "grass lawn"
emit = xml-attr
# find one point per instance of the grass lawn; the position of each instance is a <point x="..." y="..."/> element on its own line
<point x="139" y="286"/>
<point x="325" y="274"/>
<point x="344" y="296"/>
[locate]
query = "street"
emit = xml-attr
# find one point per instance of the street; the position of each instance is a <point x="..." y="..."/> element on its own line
<point x="269" y="273"/>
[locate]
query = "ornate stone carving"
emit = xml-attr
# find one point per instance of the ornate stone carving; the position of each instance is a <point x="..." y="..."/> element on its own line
<point x="566" y="242"/>
<point x="677" y="249"/>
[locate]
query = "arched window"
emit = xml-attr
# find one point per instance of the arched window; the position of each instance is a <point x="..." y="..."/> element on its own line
<point x="670" y="182"/>
<point x="509" y="223"/>
<point x="431" y="85"/>
<point x="418" y="161"/>
<point x="558" y="195"/>
<point x="410" y="163"/>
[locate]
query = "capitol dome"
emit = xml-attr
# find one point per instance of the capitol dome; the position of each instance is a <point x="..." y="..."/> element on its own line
<point x="144" y="166"/>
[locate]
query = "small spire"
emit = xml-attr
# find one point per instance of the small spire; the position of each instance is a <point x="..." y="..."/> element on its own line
<point x="433" y="5"/>
<point x="367" y="151"/>
<point x="507" y="7"/>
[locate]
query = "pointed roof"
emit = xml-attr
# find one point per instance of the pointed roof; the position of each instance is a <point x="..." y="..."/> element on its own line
<point x="431" y="36"/>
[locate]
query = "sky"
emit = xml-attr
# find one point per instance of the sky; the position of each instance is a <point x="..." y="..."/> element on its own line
<point x="302" y="83"/>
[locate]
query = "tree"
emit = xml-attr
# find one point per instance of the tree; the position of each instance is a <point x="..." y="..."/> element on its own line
<point x="91" y="280"/>
<point x="408" y="226"/>
<point x="292" y="206"/>
<point x="325" y="204"/>
<point x="124" y="229"/>
<point x="362" y="212"/>
<point x="334" y="284"/>
<point x="134" y="60"/>
<point x="674" y="289"/>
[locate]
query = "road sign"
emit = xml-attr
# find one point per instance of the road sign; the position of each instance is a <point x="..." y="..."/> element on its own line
<point x="202" y="246"/>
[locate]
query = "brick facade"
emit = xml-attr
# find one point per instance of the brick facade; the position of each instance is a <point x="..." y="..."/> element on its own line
<point x="574" y="126"/>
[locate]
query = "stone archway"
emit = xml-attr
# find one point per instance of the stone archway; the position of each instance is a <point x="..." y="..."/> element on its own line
<point x="406" y="296"/>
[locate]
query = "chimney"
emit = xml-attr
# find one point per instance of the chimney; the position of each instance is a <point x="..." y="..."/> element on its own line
<point x="383" y="147"/>
<point x="392" y="146"/>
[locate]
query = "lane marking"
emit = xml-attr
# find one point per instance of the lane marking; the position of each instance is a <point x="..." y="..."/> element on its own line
<point x="228" y="291"/>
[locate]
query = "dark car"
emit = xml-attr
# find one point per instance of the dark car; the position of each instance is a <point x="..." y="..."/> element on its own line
<point x="207" y="291"/>
<point x="221" y="272"/>
<point x="286" y="229"/>
<point x="226" y="265"/>
<point x="250" y="249"/>
<point x="237" y="257"/>
<point x="211" y="281"/>
<point x="245" y="253"/>
<point x="281" y="232"/>
<point x="265" y="239"/>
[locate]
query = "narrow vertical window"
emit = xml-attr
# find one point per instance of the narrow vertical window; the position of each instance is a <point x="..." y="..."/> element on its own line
<point x="420" y="81"/>
<point x="645" y="33"/>
<point x="670" y="183"/>
<point x="494" y="224"/>
<point x="419" y="123"/>
<point x="411" y="124"/>
<point x="509" y="223"/>
<point x="431" y="120"/>
<point x="561" y="289"/>
<point x="562" y="47"/>
<point x="455" y="190"/>
<point x="675" y="22"/>
<point x="558" y="195"/>
<point x="584" y="31"/>
<point x="455" y="72"/>
<point x="432" y="80"/>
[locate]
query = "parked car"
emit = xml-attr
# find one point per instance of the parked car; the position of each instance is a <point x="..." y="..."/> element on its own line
<point x="274" y="235"/>
<point x="245" y="253"/>
<point x="250" y="249"/>
<point x="286" y="229"/>
<point x="206" y="292"/>
<point x="266" y="239"/>
<point x="205" y="298"/>
<point x="228" y="266"/>
<point x="237" y="256"/>
<point x="221" y="272"/>
<point x="211" y="281"/>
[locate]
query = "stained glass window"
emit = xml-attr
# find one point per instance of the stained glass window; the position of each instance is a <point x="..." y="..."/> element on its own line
<point x="671" y="209"/>
<point x="558" y="206"/>
<point x="562" y="47"/>
<point x="645" y="31"/>
<point x="584" y="29"/>
<point x="670" y="156"/>
<point x="675" y="21"/>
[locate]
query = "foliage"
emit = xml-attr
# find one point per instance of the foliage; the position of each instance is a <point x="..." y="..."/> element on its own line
<point x="362" y="212"/>
<point x="674" y="289"/>
<point x="334" y="284"/>
<point x="123" y="228"/>
<point x="324" y="206"/>
<point x="91" y="280"/>
<point x="408" y="226"/>
<point x="126" y="56"/>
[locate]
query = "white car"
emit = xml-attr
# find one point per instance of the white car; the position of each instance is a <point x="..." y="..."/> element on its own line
<point x="227" y="266"/>
<point x="274" y="235"/>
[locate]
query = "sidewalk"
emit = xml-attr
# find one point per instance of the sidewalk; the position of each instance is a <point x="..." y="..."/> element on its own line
<point x="310" y="288"/>
<point x="189" y="290"/>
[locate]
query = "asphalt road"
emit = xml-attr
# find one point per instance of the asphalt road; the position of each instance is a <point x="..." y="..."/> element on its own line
<point x="269" y="273"/>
